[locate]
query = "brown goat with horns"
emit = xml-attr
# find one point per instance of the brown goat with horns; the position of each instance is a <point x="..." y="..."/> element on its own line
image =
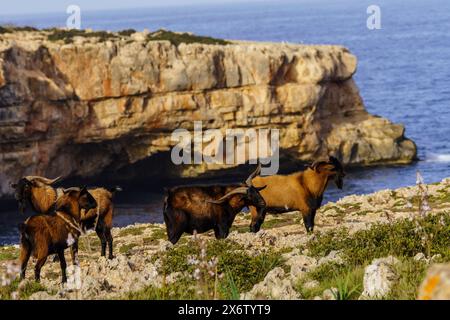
<point x="41" y="196"/>
<point x="42" y="235"/>
<point x="302" y="191"/>
<point x="201" y="208"/>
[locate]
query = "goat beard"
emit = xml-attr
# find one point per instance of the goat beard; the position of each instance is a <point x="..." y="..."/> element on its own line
<point x="339" y="181"/>
<point x="22" y="207"/>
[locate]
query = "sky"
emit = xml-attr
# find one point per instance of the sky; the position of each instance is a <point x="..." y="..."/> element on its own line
<point x="17" y="7"/>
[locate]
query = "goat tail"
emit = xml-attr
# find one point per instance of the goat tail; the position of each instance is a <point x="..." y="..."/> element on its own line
<point x="166" y="204"/>
<point x="167" y="209"/>
<point x="23" y="231"/>
<point x="22" y="227"/>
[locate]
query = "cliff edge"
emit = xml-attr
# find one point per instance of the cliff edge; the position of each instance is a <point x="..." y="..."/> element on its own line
<point x="98" y="102"/>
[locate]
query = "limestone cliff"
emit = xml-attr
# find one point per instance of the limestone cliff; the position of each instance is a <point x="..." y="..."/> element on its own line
<point x="94" y="105"/>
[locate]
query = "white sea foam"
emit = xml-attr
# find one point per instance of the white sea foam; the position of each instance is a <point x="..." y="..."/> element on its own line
<point x="434" y="157"/>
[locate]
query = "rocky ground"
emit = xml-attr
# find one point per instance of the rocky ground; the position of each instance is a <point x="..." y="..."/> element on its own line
<point x="364" y="247"/>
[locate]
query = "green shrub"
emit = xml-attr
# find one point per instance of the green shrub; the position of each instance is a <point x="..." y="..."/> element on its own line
<point x="277" y="223"/>
<point x="411" y="274"/>
<point x="178" y="38"/>
<point x="399" y="238"/>
<point x="247" y="270"/>
<point x="68" y="35"/>
<point x="9" y="253"/>
<point x="12" y="28"/>
<point x="30" y="288"/>
<point x="25" y="291"/>
<point x="158" y="234"/>
<point x="347" y="279"/>
<point x="126" y="32"/>
<point x="133" y="231"/>
<point x="6" y="291"/>
<point x="126" y="248"/>
<point x="180" y="290"/>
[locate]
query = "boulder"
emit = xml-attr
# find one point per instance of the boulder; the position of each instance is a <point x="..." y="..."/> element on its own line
<point x="379" y="277"/>
<point x="436" y="285"/>
<point x="274" y="286"/>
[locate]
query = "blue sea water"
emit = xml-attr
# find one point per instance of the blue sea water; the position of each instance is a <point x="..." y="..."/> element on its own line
<point x="403" y="70"/>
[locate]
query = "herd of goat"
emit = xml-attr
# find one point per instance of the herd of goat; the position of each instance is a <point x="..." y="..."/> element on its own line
<point x="63" y="215"/>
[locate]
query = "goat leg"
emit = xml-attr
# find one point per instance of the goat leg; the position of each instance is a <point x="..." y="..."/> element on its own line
<point x="308" y="220"/>
<point x="25" y="254"/>
<point x="101" y="235"/>
<point x="221" y="231"/>
<point x="63" y="264"/>
<point x="174" y="226"/>
<point x="74" y="253"/>
<point x="37" y="269"/>
<point x="109" y="240"/>
<point x="258" y="217"/>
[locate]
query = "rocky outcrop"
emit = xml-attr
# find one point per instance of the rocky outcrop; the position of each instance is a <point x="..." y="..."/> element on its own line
<point x="92" y="106"/>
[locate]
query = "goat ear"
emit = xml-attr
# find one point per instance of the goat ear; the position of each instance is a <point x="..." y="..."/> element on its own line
<point x="315" y="165"/>
<point x="261" y="188"/>
<point x="33" y="183"/>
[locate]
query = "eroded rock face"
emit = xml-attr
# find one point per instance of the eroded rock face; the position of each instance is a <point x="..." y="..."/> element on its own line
<point x="80" y="109"/>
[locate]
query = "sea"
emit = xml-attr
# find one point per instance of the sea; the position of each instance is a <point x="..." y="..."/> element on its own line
<point x="403" y="73"/>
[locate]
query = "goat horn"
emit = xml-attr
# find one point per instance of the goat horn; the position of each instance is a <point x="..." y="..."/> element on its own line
<point x="314" y="164"/>
<point x="71" y="189"/>
<point x="239" y="190"/>
<point x="42" y="179"/>
<point x="248" y="182"/>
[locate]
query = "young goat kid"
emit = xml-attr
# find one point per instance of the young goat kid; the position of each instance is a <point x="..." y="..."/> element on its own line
<point x="43" y="235"/>
<point x="202" y="208"/>
<point x="302" y="191"/>
<point x="41" y="196"/>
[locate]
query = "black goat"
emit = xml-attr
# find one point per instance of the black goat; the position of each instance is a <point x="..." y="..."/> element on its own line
<point x="201" y="208"/>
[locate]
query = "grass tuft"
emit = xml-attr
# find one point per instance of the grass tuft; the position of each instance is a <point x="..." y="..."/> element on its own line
<point x="9" y="253"/>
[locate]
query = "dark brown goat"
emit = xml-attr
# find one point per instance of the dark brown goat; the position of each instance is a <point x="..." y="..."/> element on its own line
<point x="42" y="235"/>
<point x="39" y="193"/>
<point x="302" y="191"/>
<point x="201" y="208"/>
